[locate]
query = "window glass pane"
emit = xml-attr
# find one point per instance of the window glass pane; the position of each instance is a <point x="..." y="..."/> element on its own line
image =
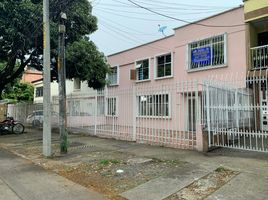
<point x="160" y="71"/>
<point x="168" y="69"/>
<point x="112" y="77"/>
<point x="168" y="58"/>
<point x="161" y="60"/>
<point x="143" y="69"/>
<point x="164" y="65"/>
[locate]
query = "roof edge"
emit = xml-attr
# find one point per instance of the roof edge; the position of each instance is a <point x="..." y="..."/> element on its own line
<point x="141" y="45"/>
<point x="211" y="16"/>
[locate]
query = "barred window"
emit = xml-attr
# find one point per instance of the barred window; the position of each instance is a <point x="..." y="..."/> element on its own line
<point x="208" y="52"/>
<point x="154" y="105"/>
<point x="113" y="76"/>
<point x="142" y="69"/>
<point x="111" y="107"/>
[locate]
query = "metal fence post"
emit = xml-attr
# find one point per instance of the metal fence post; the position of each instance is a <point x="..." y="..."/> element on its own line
<point x="134" y="108"/>
<point x="208" y="114"/>
<point x="96" y="113"/>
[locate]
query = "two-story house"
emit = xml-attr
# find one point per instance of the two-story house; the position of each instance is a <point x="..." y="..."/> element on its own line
<point x="203" y="78"/>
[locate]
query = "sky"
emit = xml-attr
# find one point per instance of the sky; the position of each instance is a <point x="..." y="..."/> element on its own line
<point x="123" y="25"/>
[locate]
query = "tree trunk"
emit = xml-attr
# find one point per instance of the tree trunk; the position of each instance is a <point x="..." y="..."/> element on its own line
<point x="1" y="90"/>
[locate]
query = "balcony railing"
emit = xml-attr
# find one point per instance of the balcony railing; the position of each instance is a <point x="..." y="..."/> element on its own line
<point x="259" y="57"/>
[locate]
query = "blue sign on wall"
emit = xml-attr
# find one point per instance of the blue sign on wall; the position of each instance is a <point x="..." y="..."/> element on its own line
<point x="201" y="55"/>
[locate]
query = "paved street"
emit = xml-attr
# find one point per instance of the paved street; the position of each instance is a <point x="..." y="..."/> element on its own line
<point x="22" y="180"/>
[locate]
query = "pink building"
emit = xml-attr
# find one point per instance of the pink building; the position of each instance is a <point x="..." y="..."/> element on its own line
<point x="204" y="86"/>
<point x="166" y="76"/>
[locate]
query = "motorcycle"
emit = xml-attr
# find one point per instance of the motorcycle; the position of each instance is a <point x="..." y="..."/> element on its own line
<point x="9" y="125"/>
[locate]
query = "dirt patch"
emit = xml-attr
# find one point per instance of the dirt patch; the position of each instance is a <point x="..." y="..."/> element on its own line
<point x="107" y="172"/>
<point x="204" y="186"/>
<point x="114" y="176"/>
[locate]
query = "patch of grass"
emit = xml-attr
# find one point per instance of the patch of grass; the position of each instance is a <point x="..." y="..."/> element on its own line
<point x="104" y="162"/>
<point x="107" y="162"/>
<point x="221" y="169"/>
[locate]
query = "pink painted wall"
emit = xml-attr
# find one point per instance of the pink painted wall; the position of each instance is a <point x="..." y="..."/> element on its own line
<point x="177" y="44"/>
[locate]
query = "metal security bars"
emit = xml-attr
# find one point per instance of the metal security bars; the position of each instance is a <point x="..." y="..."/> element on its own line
<point x="259" y="57"/>
<point x="165" y="115"/>
<point x="232" y="112"/>
<point x="208" y="52"/>
<point x="142" y="70"/>
<point x="235" y="113"/>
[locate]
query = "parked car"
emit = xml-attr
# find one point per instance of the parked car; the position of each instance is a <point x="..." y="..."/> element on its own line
<point x="36" y="119"/>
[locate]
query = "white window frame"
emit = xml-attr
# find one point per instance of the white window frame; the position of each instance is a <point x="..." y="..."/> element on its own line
<point x="117" y="77"/>
<point x="154" y="116"/>
<point x="189" y="49"/>
<point x="116" y="106"/>
<point x="156" y="67"/>
<point x="149" y="69"/>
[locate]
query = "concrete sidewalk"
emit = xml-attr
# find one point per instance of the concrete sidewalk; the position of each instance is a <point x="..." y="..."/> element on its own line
<point x="22" y="180"/>
<point x="250" y="183"/>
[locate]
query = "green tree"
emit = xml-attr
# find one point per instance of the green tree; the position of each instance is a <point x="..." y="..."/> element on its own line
<point x="21" y="39"/>
<point x="19" y="92"/>
<point x="82" y="64"/>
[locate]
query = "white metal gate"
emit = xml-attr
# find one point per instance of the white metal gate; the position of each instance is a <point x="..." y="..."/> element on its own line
<point x="235" y="113"/>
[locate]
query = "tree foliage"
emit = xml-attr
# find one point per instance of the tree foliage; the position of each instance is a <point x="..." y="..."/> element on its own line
<point x="20" y="92"/>
<point x="85" y="66"/>
<point x="21" y="39"/>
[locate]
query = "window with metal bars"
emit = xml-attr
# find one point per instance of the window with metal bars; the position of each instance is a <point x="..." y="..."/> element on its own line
<point x="142" y="70"/>
<point x="155" y="105"/>
<point x="111" y="106"/>
<point x="210" y="52"/>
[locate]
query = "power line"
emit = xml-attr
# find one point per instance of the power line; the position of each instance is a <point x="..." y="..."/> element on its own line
<point x="132" y="38"/>
<point x="181" y="20"/>
<point x="162" y="7"/>
<point x="187" y="5"/>
<point x="136" y="32"/>
<point x="137" y="18"/>
<point x="153" y="14"/>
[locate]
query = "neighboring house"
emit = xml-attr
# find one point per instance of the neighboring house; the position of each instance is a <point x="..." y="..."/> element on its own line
<point x="73" y="87"/>
<point x="30" y="75"/>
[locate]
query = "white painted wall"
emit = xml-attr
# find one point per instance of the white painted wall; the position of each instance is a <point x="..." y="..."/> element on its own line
<point x="70" y="89"/>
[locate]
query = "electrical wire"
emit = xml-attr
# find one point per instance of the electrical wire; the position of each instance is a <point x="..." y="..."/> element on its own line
<point x="161" y="7"/>
<point x="142" y="13"/>
<point x="181" y="20"/>
<point x="121" y="25"/>
<point x="132" y="38"/>
<point x="181" y="4"/>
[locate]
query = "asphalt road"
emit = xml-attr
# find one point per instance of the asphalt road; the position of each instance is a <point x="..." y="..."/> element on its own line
<point x="22" y="180"/>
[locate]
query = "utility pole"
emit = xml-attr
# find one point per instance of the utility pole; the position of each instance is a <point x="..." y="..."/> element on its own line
<point x="46" y="81"/>
<point x="62" y="86"/>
